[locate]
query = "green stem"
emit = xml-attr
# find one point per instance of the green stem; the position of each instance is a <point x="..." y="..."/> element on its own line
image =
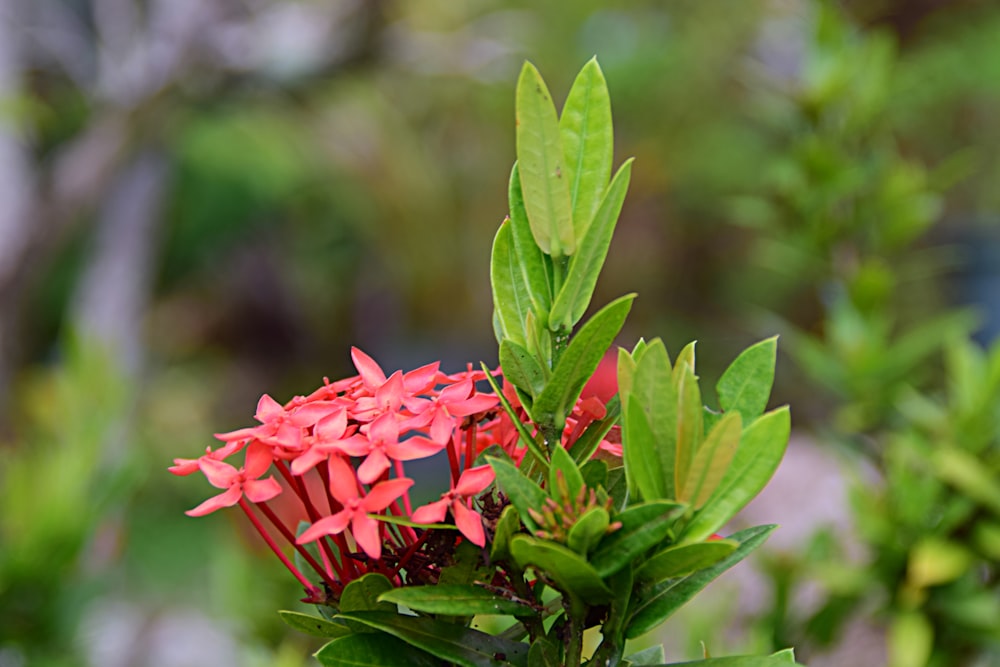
<point x="576" y="612"/>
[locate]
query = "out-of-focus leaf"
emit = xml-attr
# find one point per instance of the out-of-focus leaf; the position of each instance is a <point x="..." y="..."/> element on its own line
<point x="934" y="561"/>
<point x="592" y="249"/>
<point x="572" y="574"/>
<point x="745" y="386"/>
<point x="760" y="450"/>
<point x="448" y="641"/>
<point x="684" y="559"/>
<point x="690" y="424"/>
<point x="968" y="475"/>
<point x="776" y="660"/>
<point x="508" y="524"/>
<point x="643" y="527"/>
<point x="650" y="656"/>
<point x="544" y="653"/>
<point x="455" y="600"/>
<point x="588" y="443"/>
<point x="587" y="139"/>
<point x="652" y="605"/>
<point x="910" y="640"/>
<point x="541" y="164"/>
<point x="579" y="361"/>
<point x="372" y="650"/>
<point x="649" y="426"/>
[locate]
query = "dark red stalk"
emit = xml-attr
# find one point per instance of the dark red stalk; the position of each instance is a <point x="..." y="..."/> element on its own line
<point x="310" y="588"/>
<point x="290" y="536"/>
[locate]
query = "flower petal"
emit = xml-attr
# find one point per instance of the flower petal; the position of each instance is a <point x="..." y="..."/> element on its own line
<point x="432" y="512"/>
<point x="332" y="426"/>
<point x="343" y="483"/>
<point x="421" y="379"/>
<point x="365" y="531"/>
<point x="370" y="372"/>
<point x="373" y="466"/>
<point x="227" y="498"/>
<point x="416" y="447"/>
<point x="261" y="490"/>
<point x="382" y="495"/>
<point x="221" y="475"/>
<point x="183" y="467"/>
<point x="330" y="525"/>
<point x="268" y="410"/>
<point x="474" y="480"/>
<point x="473" y="404"/>
<point x="469" y="523"/>
<point x="258" y="460"/>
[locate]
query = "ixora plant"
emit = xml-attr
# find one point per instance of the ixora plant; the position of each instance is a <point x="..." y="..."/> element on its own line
<point x="564" y="512"/>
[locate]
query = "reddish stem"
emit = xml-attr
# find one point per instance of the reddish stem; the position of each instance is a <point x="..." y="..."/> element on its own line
<point x="453" y="457"/>
<point x="310" y="588"/>
<point x="288" y="535"/>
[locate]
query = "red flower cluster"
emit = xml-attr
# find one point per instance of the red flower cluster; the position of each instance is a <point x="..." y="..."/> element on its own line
<point x="356" y="435"/>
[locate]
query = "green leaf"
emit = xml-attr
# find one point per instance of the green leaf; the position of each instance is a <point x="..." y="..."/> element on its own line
<point x="522" y="430"/>
<point x="541" y="163"/>
<point x="572" y="574"/>
<point x="588" y="530"/>
<point x="690" y="424"/>
<point x="587" y="139"/>
<point x="760" y="450"/>
<point x="362" y="594"/>
<point x="544" y="653"/>
<point x="523" y="493"/>
<point x="372" y="650"/>
<point x="511" y="302"/>
<point x="592" y="249"/>
<point x="536" y="269"/>
<point x="468" y="566"/>
<point x="684" y="559"/>
<point x="711" y="461"/>
<point x="653" y="604"/>
<point x="448" y="641"/>
<point x="643" y="527"/>
<point x="595" y="474"/>
<point x="685" y="358"/>
<point x="649" y="426"/>
<point x="745" y="386"/>
<point x="650" y="656"/>
<point x="521" y="368"/>
<point x="579" y="361"/>
<point x="508" y="525"/>
<point x="564" y="465"/>
<point x="403" y="521"/>
<point x="911" y="640"/>
<point x="777" y="660"/>
<point x="313" y="625"/>
<point x="455" y="600"/>
<point x="617" y="487"/>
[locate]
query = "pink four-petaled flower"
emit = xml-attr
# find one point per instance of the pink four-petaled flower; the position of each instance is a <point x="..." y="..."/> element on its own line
<point x="469" y="523"/>
<point x="238" y="483"/>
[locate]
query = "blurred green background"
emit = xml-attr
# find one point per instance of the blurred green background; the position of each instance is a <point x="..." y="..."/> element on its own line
<point x="205" y="200"/>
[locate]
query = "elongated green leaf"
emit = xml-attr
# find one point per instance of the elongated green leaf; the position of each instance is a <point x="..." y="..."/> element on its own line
<point x="511" y="302"/>
<point x="508" y="524"/>
<point x="523" y="493"/>
<point x="650" y="656"/>
<point x="680" y="560"/>
<point x="746" y="385"/>
<point x="541" y="164"/>
<point x="448" y="641"/>
<point x="777" y="660"/>
<point x="595" y="474"/>
<point x="643" y="527"/>
<point x="690" y="424"/>
<point x="521" y="368"/>
<point x="652" y="605"/>
<point x="592" y="249"/>
<point x="564" y="465"/>
<point x="685" y="358"/>
<point x="626" y="372"/>
<point x="760" y="450"/>
<point x="544" y="653"/>
<point x="455" y="600"/>
<point x="536" y="269"/>
<point x="571" y="573"/>
<point x="467" y="566"/>
<point x="373" y="650"/>
<point x="649" y="433"/>
<point x="579" y="361"/>
<point x="403" y="521"/>
<point x="640" y="454"/>
<point x="362" y="594"/>
<point x="313" y="625"/>
<point x="588" y="143"/>
<point x="711" y="461"/>
<point x="588" y="530"/>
